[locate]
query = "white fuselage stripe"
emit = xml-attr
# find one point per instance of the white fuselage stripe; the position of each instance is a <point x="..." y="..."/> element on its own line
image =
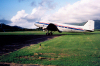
<point x="61" y="26"/>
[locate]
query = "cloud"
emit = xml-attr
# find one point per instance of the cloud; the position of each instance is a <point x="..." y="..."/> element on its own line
<point x="48" y="3"/>
<point x="80" y="11"/>
<point x="21" y="0"/>
<point x="27" y="20"/>
<point x="21" y="19"/>
<point x="18" y="16"/>
<point x="5" y="21"/>
<point x="33" y="3"/>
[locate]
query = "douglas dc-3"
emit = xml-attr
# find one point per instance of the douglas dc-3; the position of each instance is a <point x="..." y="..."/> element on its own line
<point x="88" y="27"/>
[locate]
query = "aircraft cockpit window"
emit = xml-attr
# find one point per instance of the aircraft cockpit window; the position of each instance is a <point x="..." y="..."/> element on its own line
<point x="37" y="22"/>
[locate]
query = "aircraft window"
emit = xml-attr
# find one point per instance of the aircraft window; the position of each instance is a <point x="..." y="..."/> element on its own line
<point x="62" y="26"/>
<point x="70" y="28"/>
<point x="65" y="27"/>
<point x="59" y="26"/>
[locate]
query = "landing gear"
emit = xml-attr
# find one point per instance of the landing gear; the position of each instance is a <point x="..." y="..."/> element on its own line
<point x="49" y="33"/>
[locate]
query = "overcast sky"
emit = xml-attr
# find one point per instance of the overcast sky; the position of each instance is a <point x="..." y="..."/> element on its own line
<point x="25" y="13"/>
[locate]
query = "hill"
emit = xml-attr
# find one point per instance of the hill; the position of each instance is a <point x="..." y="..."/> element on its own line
<point x="97" y="24"/>
<point x="4" y="27"/>
<point x="7" y="28"/>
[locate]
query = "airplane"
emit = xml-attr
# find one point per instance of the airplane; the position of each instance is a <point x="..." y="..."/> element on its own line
<point x="60" y="27"/>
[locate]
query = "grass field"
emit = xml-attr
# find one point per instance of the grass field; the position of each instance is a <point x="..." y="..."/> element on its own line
<point x="70" y="49"/>
<point x="28" y="33"/>
<point x="23" y="33"/>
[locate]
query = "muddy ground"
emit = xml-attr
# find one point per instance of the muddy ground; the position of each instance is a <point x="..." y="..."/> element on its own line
<point x="10" y="43"/>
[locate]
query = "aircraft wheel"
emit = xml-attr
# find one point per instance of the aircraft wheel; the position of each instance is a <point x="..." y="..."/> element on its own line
<point x="51" y="33"/>
<point x="47" y="34"/>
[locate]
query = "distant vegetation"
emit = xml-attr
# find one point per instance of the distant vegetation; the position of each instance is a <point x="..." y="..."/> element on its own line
<point x="7" y="28"/>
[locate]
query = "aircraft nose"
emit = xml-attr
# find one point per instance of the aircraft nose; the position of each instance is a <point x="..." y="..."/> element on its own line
<point x="36" y="23"/>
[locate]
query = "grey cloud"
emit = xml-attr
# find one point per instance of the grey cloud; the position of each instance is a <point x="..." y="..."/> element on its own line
<point x="41" y="3"/>
<point x="33" y="3"/>
<point x="44" y="3"/>
<point x="49" y="4"/>
<point x="32" y="20"/>
<point x="5" y="21"/>
<point x="21" y="0"/>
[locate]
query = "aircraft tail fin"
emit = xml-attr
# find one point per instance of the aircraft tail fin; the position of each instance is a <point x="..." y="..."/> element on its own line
<point x="89" y="26"/>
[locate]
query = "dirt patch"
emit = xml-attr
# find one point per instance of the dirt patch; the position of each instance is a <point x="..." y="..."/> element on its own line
<point x="15" y="64"/>
<point x="64" y="54"/>
<point x="41" y="56"/>
<point x="44" y="56"/>
<point x="10" y="43"/>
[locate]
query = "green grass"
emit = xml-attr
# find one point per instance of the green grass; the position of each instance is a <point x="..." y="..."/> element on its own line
<point x="70" y="49"/>
<point x="28" y="33"/>
<point x="23" y="33"/>
<point x="32" y="33"/>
